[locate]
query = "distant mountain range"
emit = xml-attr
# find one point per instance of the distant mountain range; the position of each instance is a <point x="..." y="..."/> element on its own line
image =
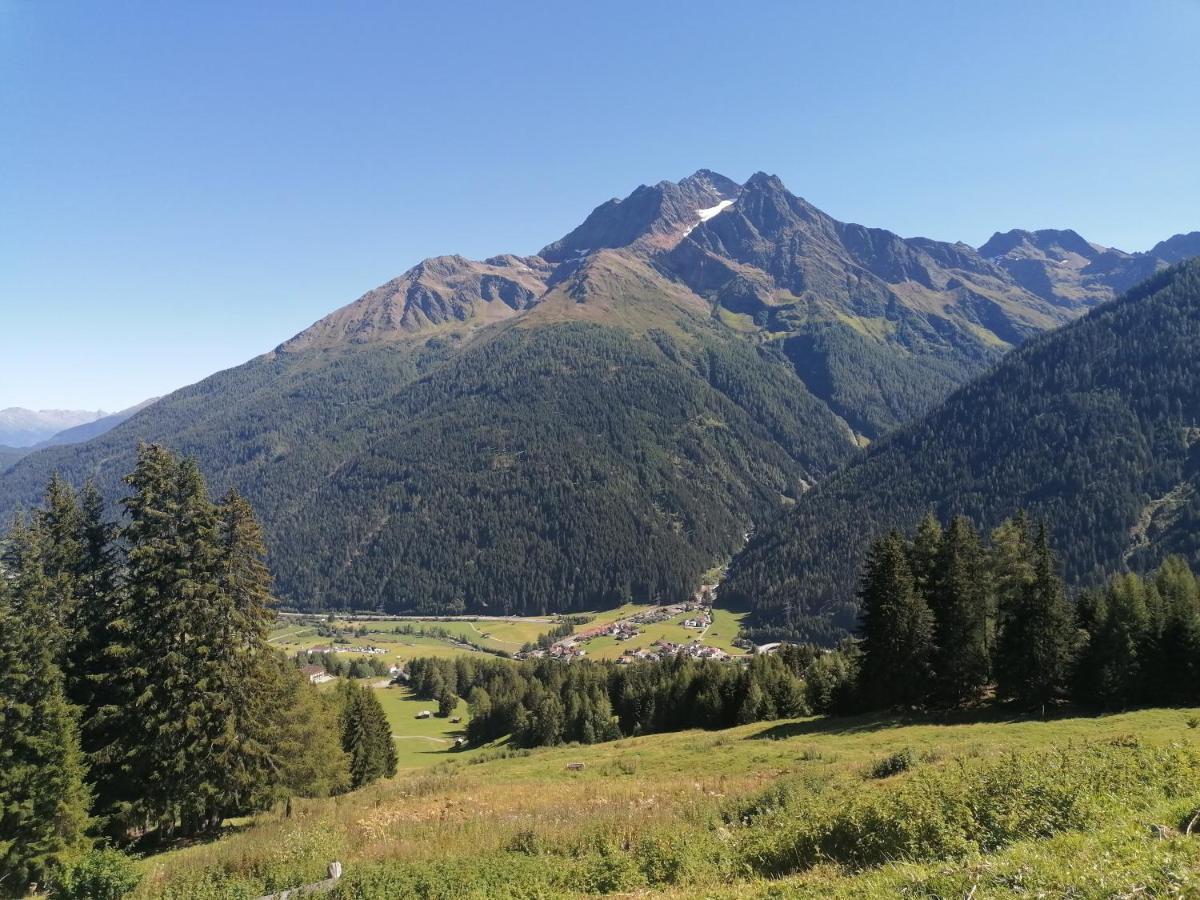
<point x="26" y="427"/>
<point x="1095" y="428"/>
<point x="603" y="420"/>
<point x="21" y="424"/>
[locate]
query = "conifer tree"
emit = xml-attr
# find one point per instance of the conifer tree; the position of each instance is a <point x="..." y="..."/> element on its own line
<point x="923" y="554"/>
<point x="753" y="701"/>
<point x="1110" y="672"/>
<point x="242" y="661"/>
<point x="89" y="663"/>
<point x="958" y="599"/>
<point x="1179" y="648"/>
<point x="187" y="633"/>
<point x="306" y="740"/>
<point x="896" y="628"/>
<point x="366" y="736"/>
<point x="1010" y="569"/>
<point x="57" y="526"/>
<point x="43" y="800"/>
<point x="1037" y="644"/>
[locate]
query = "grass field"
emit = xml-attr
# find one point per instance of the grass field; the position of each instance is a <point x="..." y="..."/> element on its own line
<point x="422" y="742"/>
<point x="497" y="636"/>
<point x="1061" y="807"/>
<point x="504" y="635"/>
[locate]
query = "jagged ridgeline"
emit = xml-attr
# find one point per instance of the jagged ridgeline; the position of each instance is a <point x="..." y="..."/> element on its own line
<point x="602" y="421"/>
<point x="1095" y="428"/>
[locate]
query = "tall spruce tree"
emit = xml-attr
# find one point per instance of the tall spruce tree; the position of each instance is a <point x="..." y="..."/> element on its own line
<point x="89" y="664"/>
<point x="896" y="628"/>
<point x="1111" y="670"/>
<point x="923" y="553"/>
<point x="1038" y="642"/>
<point x="958" y="597"/>
<point x="1010" y="569"/>
<point x="366" y="736"/>
<point x="1179" y="642"/>
<point x="58" y="537"/>
<point x="242" y="613"/>
<point x="43" y="800"/>
<point x="182" y="756"/>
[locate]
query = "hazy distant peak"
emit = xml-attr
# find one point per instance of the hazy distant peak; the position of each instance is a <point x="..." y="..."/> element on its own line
<point x="21" y="427"/>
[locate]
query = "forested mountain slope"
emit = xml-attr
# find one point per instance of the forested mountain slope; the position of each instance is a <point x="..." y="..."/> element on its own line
<point x="1095" y="427"/>
<point x="599" y="422"/>
<point x="9" y="455"/>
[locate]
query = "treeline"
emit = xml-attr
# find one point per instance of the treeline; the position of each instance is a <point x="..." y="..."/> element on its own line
<point x="335" y="664"/>
<point x="139" y="698"/>
<point x="948" y="620"/>
<point x="544" y="701"/>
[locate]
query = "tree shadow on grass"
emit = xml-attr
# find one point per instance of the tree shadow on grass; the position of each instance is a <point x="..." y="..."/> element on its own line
<point x="153" y="843"/>
<point x="876" y="722"/>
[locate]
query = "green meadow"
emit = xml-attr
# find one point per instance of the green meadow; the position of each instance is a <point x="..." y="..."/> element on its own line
<point x="865" y="806"/>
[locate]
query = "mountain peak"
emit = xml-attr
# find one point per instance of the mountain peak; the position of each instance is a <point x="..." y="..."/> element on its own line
<point x="761" y="181"/>
<point x="440" y="290"/>
<point x="651" y="218"/>
<point x="1053" y="241"/>
<point x="715" y="182"/>
<point x="1177" y="248"/>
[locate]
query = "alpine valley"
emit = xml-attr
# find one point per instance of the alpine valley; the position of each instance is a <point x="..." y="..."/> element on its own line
<point x="607" y="420"/>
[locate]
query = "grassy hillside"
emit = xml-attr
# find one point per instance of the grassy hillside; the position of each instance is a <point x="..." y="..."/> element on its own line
<point x="1095" y="427"/>
<point x="862" y="807"/>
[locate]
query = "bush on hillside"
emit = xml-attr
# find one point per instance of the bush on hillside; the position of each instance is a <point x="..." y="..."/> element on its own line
<point x="104" y="874"/>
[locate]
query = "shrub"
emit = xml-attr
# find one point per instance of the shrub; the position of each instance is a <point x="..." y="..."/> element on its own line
<point x="525" y="841"/>
<point x="894" y="764"/>
<point x="105" y="874"/>
<point x="976" y="806"/>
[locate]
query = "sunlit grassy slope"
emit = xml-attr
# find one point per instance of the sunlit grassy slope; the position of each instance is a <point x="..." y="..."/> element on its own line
<point x="507" y="635"/>
<point x="756" y="811"/>
<point x="422" y="742"/>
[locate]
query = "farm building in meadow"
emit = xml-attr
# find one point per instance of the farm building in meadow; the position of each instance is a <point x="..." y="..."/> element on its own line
<point x="316" y="674"/>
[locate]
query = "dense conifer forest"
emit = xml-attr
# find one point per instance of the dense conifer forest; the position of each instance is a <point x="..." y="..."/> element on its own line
<point x="1094" y="428"/>
<point x="139" y="700"/>
<point x="949" y="619"/>
<point x="510" y="479"/>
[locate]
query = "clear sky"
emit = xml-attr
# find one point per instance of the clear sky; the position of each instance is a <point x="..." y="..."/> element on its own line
<point x="183" y="185"/>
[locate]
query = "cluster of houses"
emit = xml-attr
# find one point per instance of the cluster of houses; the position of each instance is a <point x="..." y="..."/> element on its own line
<point x="348" y="648"/>
<point x="700" y="618"/>
<point x="666" y="649"/>
<point x="561" y="650"/>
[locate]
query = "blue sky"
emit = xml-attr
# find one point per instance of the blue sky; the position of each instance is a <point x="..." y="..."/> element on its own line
<point x="185" y="185"/>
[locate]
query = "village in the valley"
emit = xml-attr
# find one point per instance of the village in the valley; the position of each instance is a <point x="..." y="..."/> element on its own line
<point x="695" y="617"/>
